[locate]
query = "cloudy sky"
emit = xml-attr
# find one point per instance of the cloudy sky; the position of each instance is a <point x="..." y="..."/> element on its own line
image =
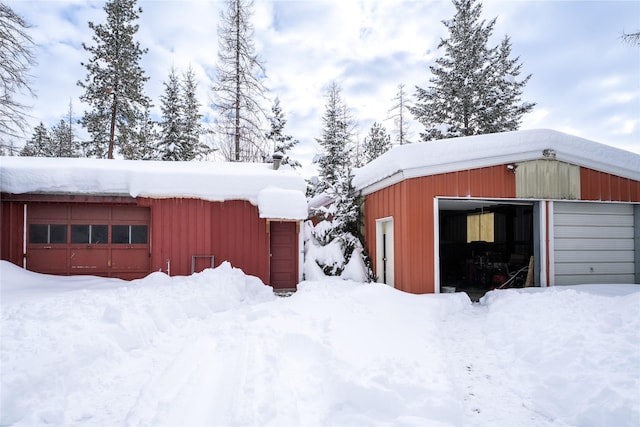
<point x="586" y="80"/>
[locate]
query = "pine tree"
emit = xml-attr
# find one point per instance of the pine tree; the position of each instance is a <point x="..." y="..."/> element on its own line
<point x="191" y="118"/>
<point x="171" y="133"/>
<point x="282" y="143"/>
<point x="341" y="219"/>
<point x="473" y="89"/>
<point x="376" y="143"/>
<point x="400" y="115"/>
<point x="40" y="143"/>
<point x="16" y="57"/>
<point x="239" y="90"/>
<point x="62" y="142"/>
<point x="114" y="84"/>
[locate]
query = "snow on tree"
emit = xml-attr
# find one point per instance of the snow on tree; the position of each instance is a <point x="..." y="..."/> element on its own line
<point x="170" y="145"/>
<point x="59" y="141"/>
<point x="376" y="143"/>
<point x="399" y="112"/>
<point x="474" y="89"/>
<point x="180" y="127"/>
<point x="40" y="143"/>
<point x="282" y="143"/>
<point x="338" y="232"/>
<point x="114" y="85"/>
<point x="191" y="118"/>
<point x="62" y="141"/>
<point x="16" y="57"/>
<point x="239" y="91"/>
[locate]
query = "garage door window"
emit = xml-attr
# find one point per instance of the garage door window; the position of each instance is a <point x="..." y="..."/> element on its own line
<point x="129" y="234"/>
<point x="48" y="233"/>
<point x="91" y="234"/>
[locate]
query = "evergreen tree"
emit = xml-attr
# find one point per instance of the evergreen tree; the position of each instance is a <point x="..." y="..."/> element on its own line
<point x="191" y="118"/>
<point x="474" y="88"/>
<point x="239" y="90"/>
<point x="62" y="142"/>
<point x="400" y="115"/>
<point x="114" y="84"/>
<point x="376" y="143"/>
<point x="171" y="134"/>
<point x="40" y="143"/>
<point x="341" y="219"/>
<point x="16" y="57"/>
<point x="282" y="143"/>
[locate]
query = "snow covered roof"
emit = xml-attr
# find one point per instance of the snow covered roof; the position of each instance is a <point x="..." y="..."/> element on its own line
<point x="279" y="194"/>
<point x="449" y="155"/>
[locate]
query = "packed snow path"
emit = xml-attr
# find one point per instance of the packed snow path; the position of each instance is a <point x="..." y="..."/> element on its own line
<point x="218" y="348"/>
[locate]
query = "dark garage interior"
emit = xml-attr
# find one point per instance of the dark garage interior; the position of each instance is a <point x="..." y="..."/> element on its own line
<point x="485" y="245"/>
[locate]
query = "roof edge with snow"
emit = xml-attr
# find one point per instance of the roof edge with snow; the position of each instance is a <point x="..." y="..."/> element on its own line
<point x="471" y="152"/>
<point x="276" y="192"/>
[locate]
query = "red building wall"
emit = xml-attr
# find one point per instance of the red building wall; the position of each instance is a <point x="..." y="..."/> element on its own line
<point x="410" y="202"/>
<point x="230" y="231"/>
<point x="595" y="185"/>
<point x="179" y="228"/>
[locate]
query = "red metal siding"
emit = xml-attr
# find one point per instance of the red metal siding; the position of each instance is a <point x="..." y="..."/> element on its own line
<point x="11" y="231"/>
<point x="595" y="185"/>
<point x="411" y="204"/>
<point x="230" y="231"/>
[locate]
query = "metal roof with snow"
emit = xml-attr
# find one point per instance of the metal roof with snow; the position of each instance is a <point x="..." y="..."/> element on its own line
<point x="277" y="193"/>
<point x="454" y="154"/>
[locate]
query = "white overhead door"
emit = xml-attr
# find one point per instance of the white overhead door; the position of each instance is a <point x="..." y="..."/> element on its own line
<point x="593" y="243"/>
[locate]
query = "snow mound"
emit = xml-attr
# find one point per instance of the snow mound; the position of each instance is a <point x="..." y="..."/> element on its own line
<point x="61" y="333"/>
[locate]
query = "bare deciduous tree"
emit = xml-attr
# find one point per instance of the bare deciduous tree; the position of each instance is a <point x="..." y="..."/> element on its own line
<point x="239" y="92"/>
<point x="16" y="57"/>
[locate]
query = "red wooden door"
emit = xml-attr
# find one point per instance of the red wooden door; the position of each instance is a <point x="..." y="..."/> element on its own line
<point x="284" y="251"/>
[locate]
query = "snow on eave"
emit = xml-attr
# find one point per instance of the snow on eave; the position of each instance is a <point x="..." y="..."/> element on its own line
<point x="213" y="181"/>
<point x="454" y="154"/>
<point x="280" y="204"/>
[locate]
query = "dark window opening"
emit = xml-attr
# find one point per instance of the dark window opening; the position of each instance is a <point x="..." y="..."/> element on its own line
<point x="48" y="233"/>
<point x="129" y="234"/>
<point x="93" y="234"/>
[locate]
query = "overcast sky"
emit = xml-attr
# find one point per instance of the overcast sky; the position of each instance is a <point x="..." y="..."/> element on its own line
<point x="586" y="80"/>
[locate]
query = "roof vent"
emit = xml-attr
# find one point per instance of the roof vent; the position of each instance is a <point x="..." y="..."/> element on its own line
<point x="277" y="159"/>
<point x="549" y="153"/>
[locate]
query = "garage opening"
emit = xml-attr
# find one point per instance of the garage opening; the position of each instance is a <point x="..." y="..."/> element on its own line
<point x="485" y="244"/>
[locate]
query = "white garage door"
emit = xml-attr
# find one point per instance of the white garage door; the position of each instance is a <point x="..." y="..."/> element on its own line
<point x="593" y="243"/>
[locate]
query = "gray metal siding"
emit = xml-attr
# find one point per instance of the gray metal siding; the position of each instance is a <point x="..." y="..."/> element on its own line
<point x="593" y="243"/>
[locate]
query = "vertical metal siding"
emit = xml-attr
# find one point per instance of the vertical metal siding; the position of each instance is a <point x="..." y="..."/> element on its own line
<point x="595" y="185"/>
<point x="230" y="231"/>
<point x="11" y="231"/>
<point x="410" y="203"/>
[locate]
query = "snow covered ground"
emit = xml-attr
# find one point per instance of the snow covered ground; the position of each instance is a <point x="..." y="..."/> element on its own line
<point x="217" y="348"/>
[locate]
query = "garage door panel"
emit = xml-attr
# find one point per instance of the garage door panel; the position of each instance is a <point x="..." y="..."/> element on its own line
<point x="55" y="259"/>
<point x="595" y="256"/>
<point x="575" y="244"/>
<point x="88" y="259"/>
<point x="593" y="232"/>
<point x="593" y="279"/>
<point x="593" y="208"/>
<point x="618" y="220"/>
<point x="130" y="259"/>
<point x="609" y="269"/>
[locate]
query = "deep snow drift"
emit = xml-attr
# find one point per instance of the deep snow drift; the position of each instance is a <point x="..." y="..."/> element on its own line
<point x="217" y="348"/>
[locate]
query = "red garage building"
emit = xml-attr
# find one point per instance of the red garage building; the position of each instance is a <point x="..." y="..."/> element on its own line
<point x="467" y="213"/>
<point x="126" y="219"/>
